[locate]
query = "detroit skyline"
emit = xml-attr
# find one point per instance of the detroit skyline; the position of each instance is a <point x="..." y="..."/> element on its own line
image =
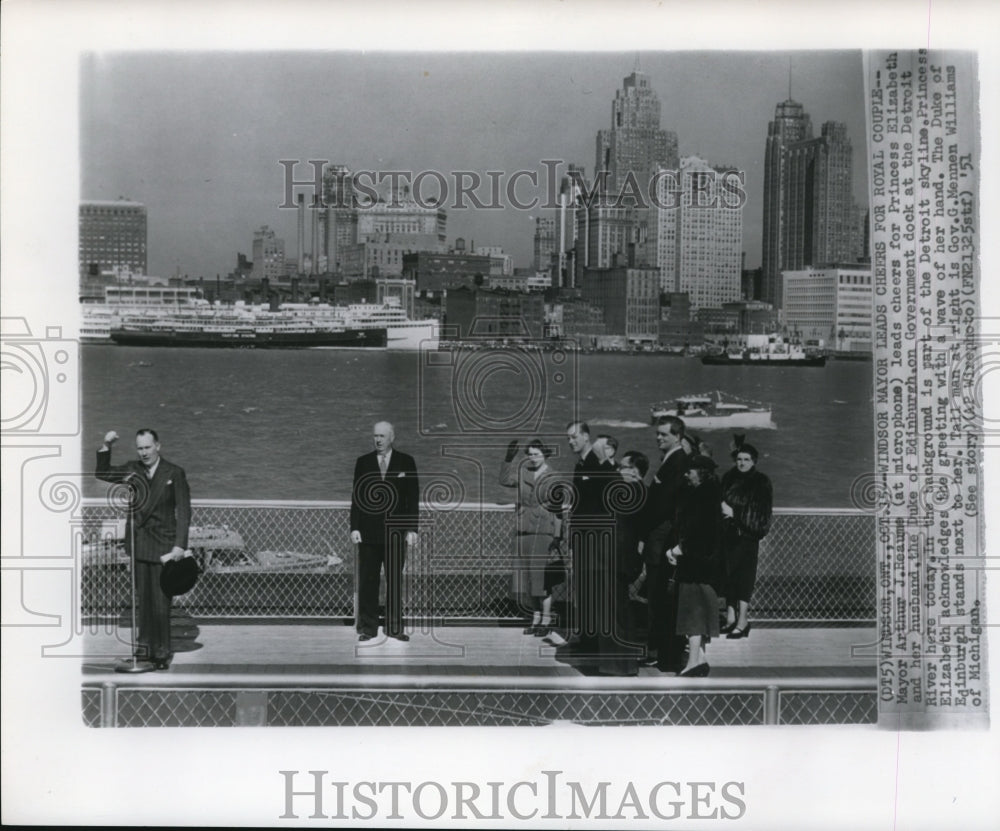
<point x="197" y="137"/>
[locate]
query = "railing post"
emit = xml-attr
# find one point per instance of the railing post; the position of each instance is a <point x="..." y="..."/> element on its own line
<point x="771" y="698"/>
<point x="109" y="704"/>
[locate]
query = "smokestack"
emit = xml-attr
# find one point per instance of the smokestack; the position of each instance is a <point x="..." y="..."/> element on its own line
<point x="302" y="232"/>
<point x="314" y="210"/>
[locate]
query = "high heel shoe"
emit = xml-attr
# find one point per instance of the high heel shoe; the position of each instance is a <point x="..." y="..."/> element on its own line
<point x="699" y="671"/>
<point x="726" y="628"/>
<point x="530" y="630"/>
<point x="542" y="631"/>
<point x="736" y="634"/>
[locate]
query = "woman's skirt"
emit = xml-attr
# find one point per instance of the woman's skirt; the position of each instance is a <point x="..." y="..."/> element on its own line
<point x="531" y="553"/>
<point x="697" y="610"/>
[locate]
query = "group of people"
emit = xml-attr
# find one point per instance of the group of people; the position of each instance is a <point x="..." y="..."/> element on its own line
<point x="682" y="541"/>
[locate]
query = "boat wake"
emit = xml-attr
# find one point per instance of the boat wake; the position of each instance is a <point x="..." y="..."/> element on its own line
<point x="620" y="423"/>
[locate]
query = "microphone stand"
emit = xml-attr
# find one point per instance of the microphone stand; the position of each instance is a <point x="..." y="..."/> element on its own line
<point x="133" y="666"/>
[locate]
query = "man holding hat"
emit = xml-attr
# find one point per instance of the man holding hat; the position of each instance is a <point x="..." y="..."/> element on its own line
<point x="156" y="533"/>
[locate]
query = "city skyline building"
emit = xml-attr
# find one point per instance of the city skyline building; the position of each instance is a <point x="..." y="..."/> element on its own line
<point x="810" y="217"/>
<point x="699" y="235"/>
<point x="113" y="238"/>
<point x="635" y="144"/>
<point x="819" y="204"/>
<point x="268" y="255"/>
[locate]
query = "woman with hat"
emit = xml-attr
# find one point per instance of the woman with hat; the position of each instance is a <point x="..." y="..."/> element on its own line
<point x="696" y="555"/>
<point x="746" y="508"/>
<point x="537" y="534"/>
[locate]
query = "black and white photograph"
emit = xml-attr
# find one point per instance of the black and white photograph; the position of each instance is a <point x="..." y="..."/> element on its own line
<point x="392" y="393"/>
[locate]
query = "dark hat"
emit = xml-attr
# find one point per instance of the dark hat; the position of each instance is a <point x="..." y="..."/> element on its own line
<point x="749" y="449"/>
<point x="700" y="462"/>
<point x="179" y="576"/>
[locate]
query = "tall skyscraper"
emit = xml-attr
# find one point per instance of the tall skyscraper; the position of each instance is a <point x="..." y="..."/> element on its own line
<point x="112" y="238"/>
<point x="820" y="205"/>
<point x="635" y="143"/>
<point x="791" y="125"/>
<point x="699" y="235"/>
<point x="808" y="203"/>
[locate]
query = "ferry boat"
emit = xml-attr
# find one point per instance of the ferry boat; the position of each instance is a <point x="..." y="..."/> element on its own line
<point x="715" y="411"/>
<point x="765" y="350"/>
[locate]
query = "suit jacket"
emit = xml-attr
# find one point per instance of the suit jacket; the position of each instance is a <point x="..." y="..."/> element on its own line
<point x="392" y="502"/>
<point x="630" y="527"/>
<point x="161" y="507"/>
<point x="536" y="513"/>
<point x="662" y="505"/>
<point x="591" y="479"/>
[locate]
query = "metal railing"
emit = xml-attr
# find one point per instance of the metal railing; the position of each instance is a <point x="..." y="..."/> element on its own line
<point x="294" y="560"/>
<point x="296" y="701"/>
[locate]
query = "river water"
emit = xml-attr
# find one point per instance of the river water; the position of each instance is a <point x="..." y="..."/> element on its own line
<point x="259" y="424"/>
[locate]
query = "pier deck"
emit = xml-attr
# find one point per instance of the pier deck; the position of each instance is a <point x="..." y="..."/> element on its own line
<point x="318" y="674"/>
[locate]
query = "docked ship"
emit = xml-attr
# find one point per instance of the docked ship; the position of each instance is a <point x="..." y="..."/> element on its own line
<point x="289" y="326"/>
<point x="258" y="331"/>
<point x="765" y="350"/>
<point x="715" y="411"/>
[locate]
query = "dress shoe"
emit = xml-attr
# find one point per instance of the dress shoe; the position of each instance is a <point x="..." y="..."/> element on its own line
<point x="726" y="628"/>
<point x="699" y="671"/>
<point x="162" y="663"/>
<point x="402" y="636"/>
<point x="542" y="631"/>
<point x="530" y="630"/>
<point x="364" y="636"/>
<point x="649" y="661"/>
<point x="736" y="634"/>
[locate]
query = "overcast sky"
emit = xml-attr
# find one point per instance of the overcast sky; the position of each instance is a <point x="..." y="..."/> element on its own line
<point x="198" y="137"/>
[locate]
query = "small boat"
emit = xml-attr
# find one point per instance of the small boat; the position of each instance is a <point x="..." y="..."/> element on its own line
<point x="715" y="411"/>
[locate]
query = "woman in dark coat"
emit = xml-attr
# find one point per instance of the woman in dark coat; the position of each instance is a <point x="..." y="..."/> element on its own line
<point x="696" y="555"/>
<point x="746" y="506"/>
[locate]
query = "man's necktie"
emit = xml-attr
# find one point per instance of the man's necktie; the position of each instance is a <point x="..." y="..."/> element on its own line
<point x="382" y="464"/>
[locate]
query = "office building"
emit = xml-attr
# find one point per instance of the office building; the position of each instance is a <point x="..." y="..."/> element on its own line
<point x="268" y="255"/>
<point x="634" y="145"/>
<point x="830" y="305"/>
<point x="699" y="234"/>
<point x="791" y="125"/>
<point x="112" y="240"/>
<point x="810" y="217"/>
<point x="494" y="314"/>
<point x="630" y="299"/>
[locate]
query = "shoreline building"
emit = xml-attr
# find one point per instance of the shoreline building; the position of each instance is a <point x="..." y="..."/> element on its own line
<point x="113" y="238"/>
<point x="832" y="305"/>
<point x="630" y="299"/>
<point x="699" y="234"/>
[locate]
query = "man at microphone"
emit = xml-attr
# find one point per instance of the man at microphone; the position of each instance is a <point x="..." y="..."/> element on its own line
<point x="156" y="532"/>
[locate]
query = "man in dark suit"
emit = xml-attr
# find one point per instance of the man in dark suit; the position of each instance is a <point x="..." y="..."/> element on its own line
<point x="156" y="532"/>
<point x="664" y="648"/>
<point x="591" y="537"/>
<point x="385" y="506"/>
